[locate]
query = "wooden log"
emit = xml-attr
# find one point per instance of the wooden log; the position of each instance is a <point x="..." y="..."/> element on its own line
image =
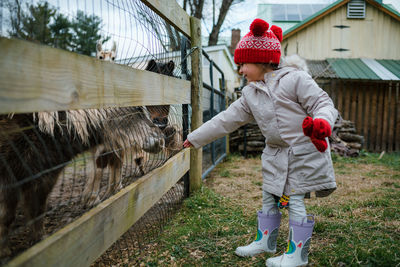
<point x="197" y="105"/>
<point x="36" y="77"/>
<point x="347" y="130"/>
<point x="256" y="143"/>
<point x="251" y="149"/>
<point x="348" y="137"/>
<point x="354" y="145"/>
<point x="85" y="239"/>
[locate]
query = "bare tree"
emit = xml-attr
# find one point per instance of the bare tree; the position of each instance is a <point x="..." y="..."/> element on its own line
<point x="196" y="8"/>
<point x="225" y="6"/>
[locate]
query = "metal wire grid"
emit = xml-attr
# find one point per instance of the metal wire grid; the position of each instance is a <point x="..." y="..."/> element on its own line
<point x="57" y="165"/>
<point x="213" y="103"/>
<point x="58" y="173"/>
<point x="138" y="32"/>
<point x="131" y="248"/>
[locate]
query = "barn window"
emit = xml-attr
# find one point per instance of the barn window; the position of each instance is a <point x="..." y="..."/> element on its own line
<point x="356" y="9"/>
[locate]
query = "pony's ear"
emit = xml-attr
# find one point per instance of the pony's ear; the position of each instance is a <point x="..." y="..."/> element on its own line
<point x="98" y="46"/>
<point x="151" y="65"/>
<point x="114" y="47"/>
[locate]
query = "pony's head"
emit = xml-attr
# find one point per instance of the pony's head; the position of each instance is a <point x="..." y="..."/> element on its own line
<point x="106" y="55"/>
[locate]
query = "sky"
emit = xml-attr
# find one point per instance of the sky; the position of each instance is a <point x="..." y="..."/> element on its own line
<point x="120" y="21"/>
<point x="241" y="15"/>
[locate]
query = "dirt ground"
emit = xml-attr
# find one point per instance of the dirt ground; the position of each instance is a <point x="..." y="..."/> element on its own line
<point x="240" y="180"/>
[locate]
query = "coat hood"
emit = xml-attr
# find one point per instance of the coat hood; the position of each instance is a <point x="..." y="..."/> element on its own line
<point x="288" y="64"/>
<point x="294" y="61"/>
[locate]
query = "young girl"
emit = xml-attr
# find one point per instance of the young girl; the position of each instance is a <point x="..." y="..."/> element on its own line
<point x="295" y="116"/>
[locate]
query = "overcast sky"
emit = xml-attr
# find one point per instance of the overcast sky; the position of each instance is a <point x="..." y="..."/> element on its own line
<point x="241" y="15"/>
<point x="135" y="39"/>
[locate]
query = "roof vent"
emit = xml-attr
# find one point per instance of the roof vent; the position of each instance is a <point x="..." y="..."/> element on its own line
<point x="356" y="9"/>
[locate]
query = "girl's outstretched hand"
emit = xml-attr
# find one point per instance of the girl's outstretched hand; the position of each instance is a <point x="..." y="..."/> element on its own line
<point x="187" y="143"/>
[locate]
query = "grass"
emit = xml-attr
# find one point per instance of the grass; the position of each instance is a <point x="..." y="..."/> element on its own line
<point x="358" y="225"/>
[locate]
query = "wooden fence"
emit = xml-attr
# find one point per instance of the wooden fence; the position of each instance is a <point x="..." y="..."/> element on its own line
<point x="373" y="106"/>
<point x="40" y="78"/>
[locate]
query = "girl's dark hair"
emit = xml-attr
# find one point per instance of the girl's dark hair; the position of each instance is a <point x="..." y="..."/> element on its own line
<point x="273" y="66"/>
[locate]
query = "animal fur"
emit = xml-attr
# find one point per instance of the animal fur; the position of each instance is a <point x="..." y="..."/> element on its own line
<point x="159" y="114"/>
<point x="106" y="55"/>
<point x="34" y="148"/>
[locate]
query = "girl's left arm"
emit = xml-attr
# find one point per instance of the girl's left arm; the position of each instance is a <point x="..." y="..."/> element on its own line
<point x="236" y="115"/>
<point x="315" y="101"/>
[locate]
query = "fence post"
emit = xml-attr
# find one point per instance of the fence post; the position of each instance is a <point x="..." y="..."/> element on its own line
<point x="197" y="107"/>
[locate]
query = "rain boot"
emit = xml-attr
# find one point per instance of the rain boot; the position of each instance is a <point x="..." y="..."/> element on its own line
<point x="298" y="245"/>
<point x="267" y="233"/>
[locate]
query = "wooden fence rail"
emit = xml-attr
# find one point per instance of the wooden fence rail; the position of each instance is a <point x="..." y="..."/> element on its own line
<point x="40" y="78"/>
<point x="37" y="78"/>
<point x="375" y="109"/>
<point x="84" y="240"/>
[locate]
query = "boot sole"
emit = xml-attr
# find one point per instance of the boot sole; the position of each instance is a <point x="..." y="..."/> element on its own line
<point x="241" y="254"/>
<point x="273" y="265"/>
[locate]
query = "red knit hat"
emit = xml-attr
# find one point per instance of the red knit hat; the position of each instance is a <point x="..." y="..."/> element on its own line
<point x="260" y="45"/>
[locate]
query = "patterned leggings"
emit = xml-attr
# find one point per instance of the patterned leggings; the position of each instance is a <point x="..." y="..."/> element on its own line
<point x="297" y="209"/>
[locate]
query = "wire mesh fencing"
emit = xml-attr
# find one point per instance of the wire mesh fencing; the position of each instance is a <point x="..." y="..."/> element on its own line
<point x="56" y="165"/>
<point x="213" y="103"/>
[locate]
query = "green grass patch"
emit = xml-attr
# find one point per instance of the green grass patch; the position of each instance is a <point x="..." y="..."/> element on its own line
<point x="225" y="173"/>
<point x="358" y="231"/>
<point x="391" y="160"/>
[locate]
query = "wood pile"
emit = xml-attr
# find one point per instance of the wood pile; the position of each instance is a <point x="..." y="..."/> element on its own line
<point x="344" y="139"/>
<point x="255" y="141"/>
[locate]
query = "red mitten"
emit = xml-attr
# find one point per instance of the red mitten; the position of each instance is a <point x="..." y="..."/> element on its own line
<point x="320" y="144"/>
<point x="321" y="128"/>
<point x="307" y="126"/>
<point x="317" y="130"/>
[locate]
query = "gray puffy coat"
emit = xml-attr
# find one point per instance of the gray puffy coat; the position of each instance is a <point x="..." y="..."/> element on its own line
<point x="290" y="162"/>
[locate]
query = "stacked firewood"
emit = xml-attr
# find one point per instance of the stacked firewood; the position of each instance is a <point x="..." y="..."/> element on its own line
<point x="344" y="139"/>
<point x="248" y="136"/>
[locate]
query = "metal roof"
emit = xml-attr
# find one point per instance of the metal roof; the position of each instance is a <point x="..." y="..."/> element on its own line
<point x="392" y="65"/>
<point x="365" y="69"/>
<point x="321" y="69"/>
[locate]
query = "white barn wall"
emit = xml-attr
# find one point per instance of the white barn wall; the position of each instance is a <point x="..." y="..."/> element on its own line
<point x="377" y="36"/>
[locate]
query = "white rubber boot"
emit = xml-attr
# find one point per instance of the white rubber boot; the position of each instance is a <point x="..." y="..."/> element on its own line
<point x="267" y="233"/>
<point x="298" y="245"/>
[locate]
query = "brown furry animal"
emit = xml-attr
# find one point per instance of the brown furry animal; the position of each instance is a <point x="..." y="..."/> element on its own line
<point x="34" y="149"/>
<point x="159" y="114"/>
